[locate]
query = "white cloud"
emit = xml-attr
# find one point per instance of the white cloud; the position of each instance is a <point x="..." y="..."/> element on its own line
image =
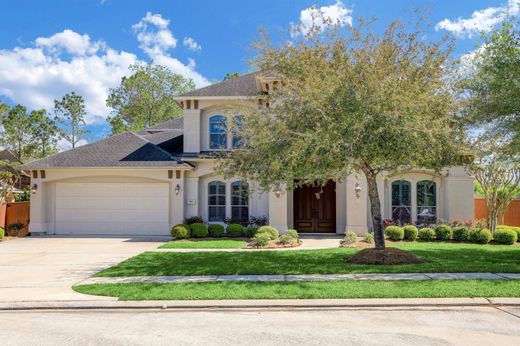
<point x="71" y="42"/>
<point x="153" y="34"/>
<point x="191" y="44"/>
<point x="481" y="20"/>
<point x="336" y="14"/>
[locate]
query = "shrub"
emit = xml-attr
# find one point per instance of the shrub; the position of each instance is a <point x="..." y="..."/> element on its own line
<point x="480" y="235"/>
<point x="394" y="232"/>
<point x="349" y="240"/>
<point x="194" y="219"/>
<point x="199" y="230"/>
<point x="234" y="230"/>
<point x="505" y="236"/>
<point x="271" y="231"/>
<point x="292" y="233"/>
<point x="410" y="232"/>
<point x="368" y="237"/>
<point x="290" y="237"/>
<point x="513" y="228"/>
<point x="262" y="239"/>
<point x="460" y="233"/>
<point x="180" y="231"/>
<point x="427" y="234"/>
<point x="215" y="230"/>
<point x="250" y="231"/>
<point x="443" y="232"/>
<point x="258" y="221"/>
<point x="2" y="232"/>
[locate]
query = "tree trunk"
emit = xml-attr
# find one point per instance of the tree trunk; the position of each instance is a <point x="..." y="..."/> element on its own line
<point x="375" y="207"/>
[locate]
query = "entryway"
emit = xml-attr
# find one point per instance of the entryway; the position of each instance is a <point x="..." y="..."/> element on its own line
<point x="314" y="208"/>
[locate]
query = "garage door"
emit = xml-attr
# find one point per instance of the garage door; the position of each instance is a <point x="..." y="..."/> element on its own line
<point x="112" y="208"/>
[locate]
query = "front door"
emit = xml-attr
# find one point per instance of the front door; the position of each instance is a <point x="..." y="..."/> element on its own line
<point x="315" y="209"/>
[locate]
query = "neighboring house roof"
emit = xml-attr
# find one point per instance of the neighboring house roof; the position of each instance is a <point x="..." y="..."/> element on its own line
<point x="123" y="150"/>
<point x="245" y="85"/>
<point x="7" y="155"/>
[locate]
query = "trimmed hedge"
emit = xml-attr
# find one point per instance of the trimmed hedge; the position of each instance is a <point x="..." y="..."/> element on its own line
<point x="2" y="232"/>
<point x="427" y="234"/>
<point x="271" y="231"/>
<point x="199" y="230"/>
<point x="289" y="237"/>
<point x="262" y="239"/>
<point x="443" y="232"/>
<point x="480" y="235"/>
<point x="394" y="232"/>
<point x="513" y="228"/>
<point x="505" y="236"/>
<point x="180" y="231"/>
<point x="216" y="230"/>
<point x="410" y="232"/>
<point x="460" y="233"/>
<point x="234" y="230"/>
<point x="250" y="231"/>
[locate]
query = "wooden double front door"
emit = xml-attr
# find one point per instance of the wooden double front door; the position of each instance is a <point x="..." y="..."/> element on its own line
<point x="315" y="208"/>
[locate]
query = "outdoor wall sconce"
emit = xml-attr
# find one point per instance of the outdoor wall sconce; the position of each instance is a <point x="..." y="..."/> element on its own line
<point x="34" y="188"/>
<point x="277" y="191"/>
<point x="357" y="189"/>
<point x="177" y="189"/>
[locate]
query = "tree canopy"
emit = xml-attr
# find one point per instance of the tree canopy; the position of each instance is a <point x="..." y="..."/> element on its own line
<point x="70" y="114"/>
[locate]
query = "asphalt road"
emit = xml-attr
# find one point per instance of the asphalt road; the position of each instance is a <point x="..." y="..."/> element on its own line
<point x="376" y="326"/>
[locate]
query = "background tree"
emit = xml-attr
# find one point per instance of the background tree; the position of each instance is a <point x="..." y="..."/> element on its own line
<point x="230" y="75"/>
<point x="146" y="97"/>
<point x="44" y="134"/>
<point x="70" y="113"/>
<point x="492" y="86"/>
<point x="8" y="178"/>
<point x="356" y="103"/>
<point x="16" y="135"/>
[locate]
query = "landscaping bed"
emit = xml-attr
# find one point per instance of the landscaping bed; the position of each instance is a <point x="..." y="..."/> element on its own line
<point x="205" y="244"/>
<point x="306" y="289"/>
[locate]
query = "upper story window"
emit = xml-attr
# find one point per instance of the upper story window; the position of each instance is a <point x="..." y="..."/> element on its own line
<point x="218" y="132"/>
<point x="426" y="202"/>
<point x="401" y="201"/>
<point x="237" y="138"/>
<point x="217" y="201"/>
<point x="240" y="200"/>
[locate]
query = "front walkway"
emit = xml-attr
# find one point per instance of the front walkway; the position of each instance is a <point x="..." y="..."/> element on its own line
<point x="308" y="277"/>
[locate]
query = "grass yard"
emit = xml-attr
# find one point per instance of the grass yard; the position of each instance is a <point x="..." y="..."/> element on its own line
<point x="440" y="257"/>
<point x="306" y="290"/>
<point x="205" y="244"/>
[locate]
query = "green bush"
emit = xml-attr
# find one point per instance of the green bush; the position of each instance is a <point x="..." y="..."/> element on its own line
<point x="199" y="230"/>
<point x="262" y="239"/>
<point x="443" y="232"/>
<point x="2" y="232"/>
<point x="234" y="230"/>
<point x="194" y="219"/>
<point x="505" y="236"/>
<point x="368" y="237"/>
<point x="480" y="235"/>
<point x="289" y="237"/>
<point x="410" y="232"/>
<point x="180" y="231"/>
<point x="394" y="233"/>
<point x="513" y="228"/>
<point x="250" y="231"/>
<point x="215" y="230"/>
<point x="292" y="233"/>
<point x="349" y="240"/>
<point x="426" y="234"/>
<point x="271" y="231"/>
<point x="460" y="233"/>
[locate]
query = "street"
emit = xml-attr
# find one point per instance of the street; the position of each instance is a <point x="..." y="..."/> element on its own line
<point x="367" y="326"/>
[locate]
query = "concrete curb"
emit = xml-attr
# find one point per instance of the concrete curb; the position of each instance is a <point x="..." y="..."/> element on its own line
<point x="261" y="304"/>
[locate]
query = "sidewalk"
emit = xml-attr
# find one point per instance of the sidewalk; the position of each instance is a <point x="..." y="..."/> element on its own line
<point x="308" y="277"/>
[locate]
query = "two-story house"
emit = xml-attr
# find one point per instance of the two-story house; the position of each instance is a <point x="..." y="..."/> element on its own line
<point x="143" y="183"/>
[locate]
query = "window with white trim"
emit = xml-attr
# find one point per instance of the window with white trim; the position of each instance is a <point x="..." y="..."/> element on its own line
<point x="240" y="201"/>
<point x="218" y="132"/>
<point x="426" y="202"/>
<point x="216" y="201"/>
<point x="236" y="140"/>
<point x="402" y="201"/>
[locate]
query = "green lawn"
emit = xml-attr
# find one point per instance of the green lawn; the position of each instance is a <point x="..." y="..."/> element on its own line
<point x="306" y="290"/>
<point x="205" y="244"/>
<point x="440" y="257"/>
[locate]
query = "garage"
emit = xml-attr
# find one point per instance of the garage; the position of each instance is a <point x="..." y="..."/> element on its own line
<point x="112" y="208"/>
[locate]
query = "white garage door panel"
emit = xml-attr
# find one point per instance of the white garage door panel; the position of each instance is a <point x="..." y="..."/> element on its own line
<point x="112" y="208"/>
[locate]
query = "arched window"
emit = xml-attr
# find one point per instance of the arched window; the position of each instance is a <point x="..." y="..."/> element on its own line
<point x="218" y="132"/>
<point x="240" y="201"/>
<point x="401" y="201"/>
<point x="217" y="201"/>
<point x="426" y="202"/>
<point x="237" y="138"/>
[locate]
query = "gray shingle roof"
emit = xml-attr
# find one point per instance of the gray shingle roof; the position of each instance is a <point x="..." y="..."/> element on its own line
<point x="123" y="150"/>
<point x="7" y="155"/>
<point x="172" y="124"/>
<point x="241" y="86"/>
<point x="162" y="136"/>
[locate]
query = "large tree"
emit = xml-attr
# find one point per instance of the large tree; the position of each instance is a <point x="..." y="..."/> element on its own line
<point x="145" y="98"/>
<point x="44" y="134"/>
<point x="492" y="83"/>
<point x="356" y="102"/>
<point x="70" y="114"/>
<point x="17" y="130"/>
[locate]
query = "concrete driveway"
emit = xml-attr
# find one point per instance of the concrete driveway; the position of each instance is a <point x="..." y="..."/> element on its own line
<point x="45" y="268"/>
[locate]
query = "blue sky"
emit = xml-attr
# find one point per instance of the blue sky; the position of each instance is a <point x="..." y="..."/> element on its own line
<point x="48" y="48"/>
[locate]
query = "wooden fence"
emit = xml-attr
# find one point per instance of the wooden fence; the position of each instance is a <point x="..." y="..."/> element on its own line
<point x="16" y="213"/>
<point x="511" y="218"/>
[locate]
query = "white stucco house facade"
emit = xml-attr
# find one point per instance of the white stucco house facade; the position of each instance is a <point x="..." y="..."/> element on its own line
<point x="144" y="183"/>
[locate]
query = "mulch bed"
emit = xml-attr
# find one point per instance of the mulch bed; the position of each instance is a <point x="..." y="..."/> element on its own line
<point x="273" y="244"/>
<point x="388" y="255"/>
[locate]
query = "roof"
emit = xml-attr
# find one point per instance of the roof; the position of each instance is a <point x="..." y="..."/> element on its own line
<point x="7" y="155"/>
<point x="245" y="85"/>
<point x="172" y="124"/>
<point x="127" y="149"/>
